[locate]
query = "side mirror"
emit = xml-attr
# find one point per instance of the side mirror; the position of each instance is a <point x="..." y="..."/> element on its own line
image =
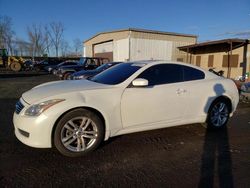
<point x="140" y="82"/>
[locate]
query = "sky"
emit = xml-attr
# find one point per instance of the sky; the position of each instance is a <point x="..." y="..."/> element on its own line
<point x="209" y="19"/>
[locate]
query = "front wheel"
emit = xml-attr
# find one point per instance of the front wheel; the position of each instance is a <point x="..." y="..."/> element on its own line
<point x="218" y="115"/>
<point x="78" y="132"/>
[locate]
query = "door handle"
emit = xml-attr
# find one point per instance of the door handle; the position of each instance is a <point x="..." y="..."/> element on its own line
<point x="180" y="91"/>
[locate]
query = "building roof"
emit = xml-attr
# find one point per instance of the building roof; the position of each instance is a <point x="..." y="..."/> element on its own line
<point x="223" y="45"/>
<point x="144" y="31"/>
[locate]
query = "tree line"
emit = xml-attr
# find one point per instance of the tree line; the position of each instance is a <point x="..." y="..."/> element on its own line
<point x="43" y="40"/>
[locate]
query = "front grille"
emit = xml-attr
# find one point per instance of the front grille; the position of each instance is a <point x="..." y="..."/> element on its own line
<point x="19" y="107"/>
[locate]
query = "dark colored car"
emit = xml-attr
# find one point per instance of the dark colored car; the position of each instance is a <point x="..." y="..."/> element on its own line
<point x="40" y="66"/>
<point x="89" y="73"/>
<point x="54" y="68"/>
<point x="27" y="65"/>
<point x="85" y="63"/>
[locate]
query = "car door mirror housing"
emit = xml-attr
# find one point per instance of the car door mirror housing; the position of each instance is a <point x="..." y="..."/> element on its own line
<point x="140" y="82"/>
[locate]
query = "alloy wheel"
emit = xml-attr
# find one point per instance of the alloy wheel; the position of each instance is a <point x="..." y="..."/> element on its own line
<point x="79" y="134"/>
<point x="219" y="114"/>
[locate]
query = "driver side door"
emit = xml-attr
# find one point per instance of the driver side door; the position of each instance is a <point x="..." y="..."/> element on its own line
<point x="160" y="102"/>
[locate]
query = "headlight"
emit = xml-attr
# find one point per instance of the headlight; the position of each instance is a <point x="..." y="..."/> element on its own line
<point x="37" y="109"/>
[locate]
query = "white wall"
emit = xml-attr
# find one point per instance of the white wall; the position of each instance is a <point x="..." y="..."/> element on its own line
<point x="148" y="49"/>
<point x="121" y="50"/>
<point x="140" y="49"/>
<point x="84" y="52"/>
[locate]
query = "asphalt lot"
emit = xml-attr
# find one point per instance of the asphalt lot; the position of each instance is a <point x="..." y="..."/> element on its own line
<point x="184" y="156"/>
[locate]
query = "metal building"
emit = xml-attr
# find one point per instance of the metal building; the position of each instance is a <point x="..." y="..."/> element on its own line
<point x="138" y="44"/>
<point x="230" y="55"/>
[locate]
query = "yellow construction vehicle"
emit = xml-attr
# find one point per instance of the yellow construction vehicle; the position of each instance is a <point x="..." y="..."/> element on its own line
<point x="10" y="62"/>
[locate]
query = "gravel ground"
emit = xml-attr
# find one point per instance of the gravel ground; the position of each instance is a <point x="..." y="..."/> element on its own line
<point x="184" y="156"/>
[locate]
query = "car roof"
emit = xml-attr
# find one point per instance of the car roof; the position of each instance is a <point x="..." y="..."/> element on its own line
<point x="155" y="62"/>
<point x="162" y="62"/>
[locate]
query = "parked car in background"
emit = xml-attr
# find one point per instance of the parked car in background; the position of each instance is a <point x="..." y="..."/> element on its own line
<point x="84" y="74"/>
<point x="75" y="116"/>
<point x="54" y="68"/>
<point x="28" y="65"/>
<point x="245" y="92"/>
<point x="85" y="63"/>
<point x="40" y="66"/>
<point x="241" y="80"/>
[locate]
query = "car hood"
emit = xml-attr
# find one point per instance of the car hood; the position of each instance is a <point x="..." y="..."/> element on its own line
<point x="59" y="87"/>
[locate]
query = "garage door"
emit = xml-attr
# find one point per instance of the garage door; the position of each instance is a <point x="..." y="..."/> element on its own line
<point x="104" y="50"/>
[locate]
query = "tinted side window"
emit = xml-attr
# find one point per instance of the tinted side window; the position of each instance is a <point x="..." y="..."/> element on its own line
<point x="163" y="74"/>
<point x="192" y="74"/>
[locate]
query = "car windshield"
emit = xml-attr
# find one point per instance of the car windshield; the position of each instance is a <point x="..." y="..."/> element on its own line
<point x="82" y="61"/>
<point x="117" y="74"/>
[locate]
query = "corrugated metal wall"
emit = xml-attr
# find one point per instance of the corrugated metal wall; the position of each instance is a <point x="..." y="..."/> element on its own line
<point x="102" y="38"/>
<point x="148" y="49"/>
<point x="121" y="50"/>
<point x="133" y="45"/>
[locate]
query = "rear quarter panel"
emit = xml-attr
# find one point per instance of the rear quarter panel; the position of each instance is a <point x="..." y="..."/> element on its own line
<point x="201" y="94"/>
<point x="221" y="87"/>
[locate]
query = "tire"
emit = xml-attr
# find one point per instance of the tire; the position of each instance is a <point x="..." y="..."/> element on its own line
<point x="78" y="132"/>
<point x="66" y="76"/>
<point x="218" y="115"/>
<point x="15" y="66"/>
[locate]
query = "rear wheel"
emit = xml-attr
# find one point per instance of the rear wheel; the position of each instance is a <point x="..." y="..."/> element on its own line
<point x="78" y="132"/>
<point x="218" y="114"/>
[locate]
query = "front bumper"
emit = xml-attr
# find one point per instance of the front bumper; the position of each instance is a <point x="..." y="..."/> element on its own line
<point x="34" y="131"/>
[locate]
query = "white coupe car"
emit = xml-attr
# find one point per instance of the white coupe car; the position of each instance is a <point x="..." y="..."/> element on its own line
<point x="76" y="116"/>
